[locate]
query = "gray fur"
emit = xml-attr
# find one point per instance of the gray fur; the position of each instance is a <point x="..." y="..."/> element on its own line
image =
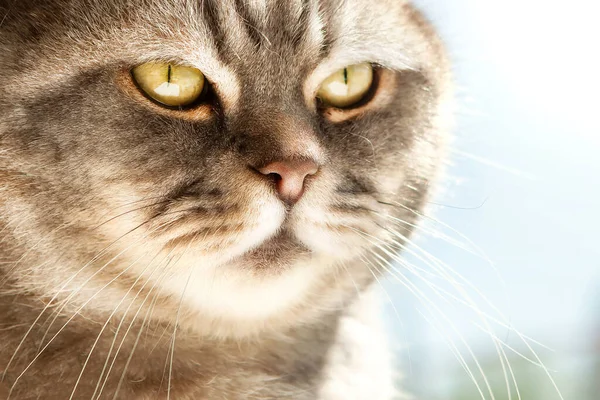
<point x="109" y="202"/>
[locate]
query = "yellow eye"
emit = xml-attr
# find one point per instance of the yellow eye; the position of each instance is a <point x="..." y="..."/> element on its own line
<point x="347" y="86"/>
<point x="170" y="84"/>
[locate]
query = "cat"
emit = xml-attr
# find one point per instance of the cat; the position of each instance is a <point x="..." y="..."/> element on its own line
<point x="198" y="196"/>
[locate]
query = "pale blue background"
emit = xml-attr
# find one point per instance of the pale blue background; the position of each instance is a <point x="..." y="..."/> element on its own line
<point x="525" y="188"/>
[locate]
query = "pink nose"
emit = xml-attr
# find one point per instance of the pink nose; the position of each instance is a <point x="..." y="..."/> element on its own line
<point x="289" y="177"/>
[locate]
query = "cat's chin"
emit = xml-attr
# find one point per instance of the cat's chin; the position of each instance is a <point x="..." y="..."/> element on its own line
<point x="259" y="290"/>
<point x="273" y="256"/>
<point x="279" y="282"/>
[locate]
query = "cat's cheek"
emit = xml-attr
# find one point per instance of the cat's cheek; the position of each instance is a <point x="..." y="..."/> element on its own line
<point x="324" y="231"/>
<point x="263" y="217"/>
<point x="325" y="234"/>
<point x="339" y="244"/>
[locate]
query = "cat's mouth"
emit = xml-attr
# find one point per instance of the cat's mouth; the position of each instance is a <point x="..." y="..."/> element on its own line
<point x="278" y="251"/>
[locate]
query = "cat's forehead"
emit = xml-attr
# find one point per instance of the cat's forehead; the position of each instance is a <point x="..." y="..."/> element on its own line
<point x="232" y="31"/>
<point x="273" y="45"/>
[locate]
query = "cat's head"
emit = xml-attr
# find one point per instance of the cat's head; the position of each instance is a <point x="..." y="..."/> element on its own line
<point x="251" y="160"/>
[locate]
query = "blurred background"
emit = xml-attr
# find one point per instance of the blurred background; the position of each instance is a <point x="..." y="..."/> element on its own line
<point x="499" y="295"/>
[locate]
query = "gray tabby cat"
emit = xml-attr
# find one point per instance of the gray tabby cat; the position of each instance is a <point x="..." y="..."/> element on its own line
<point x="199" y="195"/>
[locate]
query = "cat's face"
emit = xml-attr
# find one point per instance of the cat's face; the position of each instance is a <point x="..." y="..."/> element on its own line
<point x="254" y="202"/>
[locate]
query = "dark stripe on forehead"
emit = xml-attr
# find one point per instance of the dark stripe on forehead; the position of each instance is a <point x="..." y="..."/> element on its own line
<point x="327" y="34"/>
<point x="251" y="24"/>
<point x="293" y="19"/>
<point x="284" y="24"/>
<point x="328" y="11"/>
<point x="210" y="12"/>
<point x="303" y="24"/>
<point x="285" y="27"/>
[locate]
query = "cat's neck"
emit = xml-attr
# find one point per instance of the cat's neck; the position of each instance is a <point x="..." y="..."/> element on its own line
<point x="278" y="362"/>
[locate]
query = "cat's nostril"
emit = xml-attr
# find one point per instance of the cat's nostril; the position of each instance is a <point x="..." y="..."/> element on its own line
<point x="274" y="177"/>
<point x="289" y="177"/>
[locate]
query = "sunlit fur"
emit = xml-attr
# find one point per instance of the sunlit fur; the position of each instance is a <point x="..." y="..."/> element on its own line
<point x="141" y="255"/>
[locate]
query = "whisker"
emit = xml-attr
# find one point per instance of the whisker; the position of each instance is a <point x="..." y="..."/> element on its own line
<point x="126" y="367"/>
<point x="478" y="252"/>
<point x="428" y="304"/>
<point x="129" y="212"/>
<point x="500" y="351"/>
<point x="64" y="326"/>
<point x="395" y="256"/>
<point x="369" y="264"/>
<point x="8" y="274"/>
<point x="423" y="298"/>
<point x="471" y="304"/>
<point x="54" y="297"/>
<point x="104" y="327"/>
<point x="99" y="389"/>
<point x="493" y="164"/>
<point x="440" y="266"/>
<point x="176" y="324"/>
<point x="65" y="302"/>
